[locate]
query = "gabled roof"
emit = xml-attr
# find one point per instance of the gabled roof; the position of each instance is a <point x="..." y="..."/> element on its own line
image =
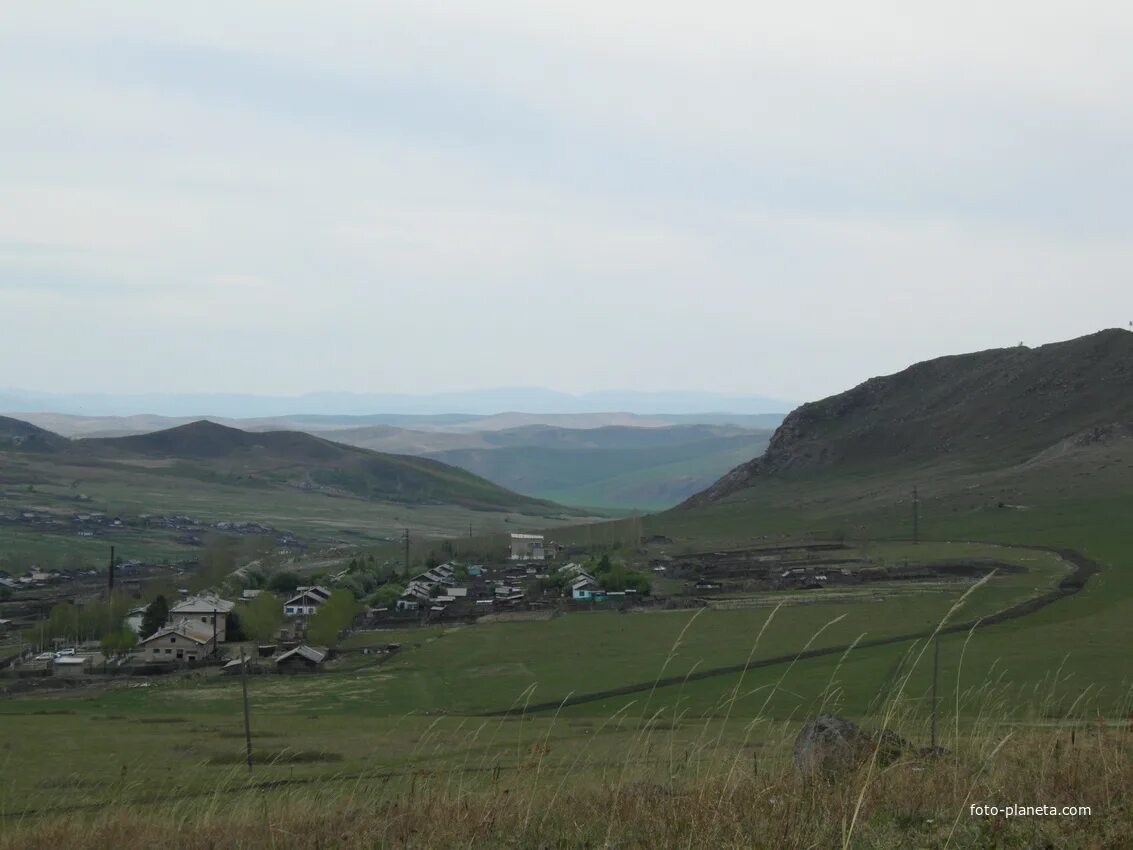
<point x="185" y="630"/>
<point x="316" y="656"/>
<point x="203" y="605"/>
<point x="318" y="595"/>
<point x="315" y="589"/>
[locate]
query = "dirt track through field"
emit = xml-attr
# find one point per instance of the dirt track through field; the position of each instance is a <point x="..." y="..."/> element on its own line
<point x="1084" y="568"/>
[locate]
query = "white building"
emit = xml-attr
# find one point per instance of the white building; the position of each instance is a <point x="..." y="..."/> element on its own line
<point x="207" y="614"/>
<point x="306" y="601"/>
<point x="180" y="642"/>
<point x="527" y="547"/>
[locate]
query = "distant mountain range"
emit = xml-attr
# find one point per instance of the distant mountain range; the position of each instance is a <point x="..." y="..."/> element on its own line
<point x="472" y="403"/>
<point x="374" y="429"/>
<point x="1022" y="423"/>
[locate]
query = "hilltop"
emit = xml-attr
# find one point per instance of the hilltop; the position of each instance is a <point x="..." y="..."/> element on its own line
<point x="1010" y="408"/>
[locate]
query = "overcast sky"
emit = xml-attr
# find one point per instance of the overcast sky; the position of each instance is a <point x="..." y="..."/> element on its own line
<point x="777" y="198"/>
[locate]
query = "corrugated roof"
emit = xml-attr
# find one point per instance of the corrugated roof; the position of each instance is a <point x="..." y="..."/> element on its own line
<point x="182" y="629"/>
<point x="203" y="605"/>
<point x="317" y="656"/>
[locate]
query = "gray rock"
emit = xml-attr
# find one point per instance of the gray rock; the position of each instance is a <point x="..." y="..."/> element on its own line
<point x="830" y="744"/>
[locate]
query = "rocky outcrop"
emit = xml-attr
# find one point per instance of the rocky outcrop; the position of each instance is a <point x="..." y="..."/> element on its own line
<point x="976" y="411"/>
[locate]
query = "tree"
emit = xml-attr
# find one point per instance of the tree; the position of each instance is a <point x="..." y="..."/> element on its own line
<point x="63" y="621"/>
<point x="157" y="612"/>
<point x="263" y="617"/>
<point x="217" y="562"/>
<point x="386" y="595"/>
<point x="118" y="643"/>
<point x="334" y="615"/>
<point x="284" y="582"/>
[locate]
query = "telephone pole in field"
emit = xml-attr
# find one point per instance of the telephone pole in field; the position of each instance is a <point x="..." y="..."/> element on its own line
<point x="247" y="719"/>
<point x="916" y="516"/>
<point x="407" y="553"/>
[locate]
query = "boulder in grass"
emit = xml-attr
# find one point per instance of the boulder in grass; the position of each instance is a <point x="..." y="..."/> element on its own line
<point x="829" y="744"/>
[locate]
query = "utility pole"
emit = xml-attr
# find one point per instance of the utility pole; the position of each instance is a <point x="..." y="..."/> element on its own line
<point x="935" y="678"/>
<point x="247" y="721"/>
<point x="916" y="516"/>
<point x="110" y="575"/>
<point x="407" y="553"/>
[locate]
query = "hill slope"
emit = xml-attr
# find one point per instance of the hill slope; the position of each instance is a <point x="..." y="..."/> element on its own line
<point x="990" y="410"/>
<point x="15" y="433"/>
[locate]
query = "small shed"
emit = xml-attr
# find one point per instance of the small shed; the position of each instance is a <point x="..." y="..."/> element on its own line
<point x="302" y="658"/>
<point x="71" y="665"/>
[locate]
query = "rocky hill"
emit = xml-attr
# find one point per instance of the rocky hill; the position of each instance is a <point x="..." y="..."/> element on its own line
<point x="986" y="410"/>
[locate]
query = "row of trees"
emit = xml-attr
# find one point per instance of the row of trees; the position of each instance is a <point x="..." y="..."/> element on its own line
<point x="79" y="623"/>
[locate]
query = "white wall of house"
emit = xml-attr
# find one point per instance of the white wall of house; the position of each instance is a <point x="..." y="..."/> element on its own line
<point x="174" y="647"/>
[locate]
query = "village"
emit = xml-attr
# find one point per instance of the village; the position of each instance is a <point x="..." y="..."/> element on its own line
<point x="257" y="623"/>
<point x="206" y="629"/>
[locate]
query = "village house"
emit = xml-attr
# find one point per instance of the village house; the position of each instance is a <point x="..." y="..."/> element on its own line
<point x="527" y="547"/>
<point x="585" y="589"/>
<point x="180" y="642"/>
<point x="306" y="601"/>
<point x="206" y="613"/>
<point x="422" y="588"/>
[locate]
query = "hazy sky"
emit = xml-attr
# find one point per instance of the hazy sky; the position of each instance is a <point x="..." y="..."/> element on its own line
<point x="777" y="198"/>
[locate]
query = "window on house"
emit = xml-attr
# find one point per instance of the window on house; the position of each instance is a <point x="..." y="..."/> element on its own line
<point x="180" y="654"/>
<point x="167" y="651"/>
<point x="204" y="619"/>
<point x="173" y="640"/>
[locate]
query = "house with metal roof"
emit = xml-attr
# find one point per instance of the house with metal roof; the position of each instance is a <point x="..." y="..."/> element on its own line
<point x="207" y="614"/>
<point x="180" y="642"/>
<point x="306" y="601"/>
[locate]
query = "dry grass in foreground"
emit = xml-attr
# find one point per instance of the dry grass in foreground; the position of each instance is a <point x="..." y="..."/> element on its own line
<point x="913" y="802"/>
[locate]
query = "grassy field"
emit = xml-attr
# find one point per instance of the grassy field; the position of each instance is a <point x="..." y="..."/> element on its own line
<point x="463" y="677"/>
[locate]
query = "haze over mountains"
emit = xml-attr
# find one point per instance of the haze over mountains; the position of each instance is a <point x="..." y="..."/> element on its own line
<point x="1025" y="421"/>
<point x="472" y="402"/>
